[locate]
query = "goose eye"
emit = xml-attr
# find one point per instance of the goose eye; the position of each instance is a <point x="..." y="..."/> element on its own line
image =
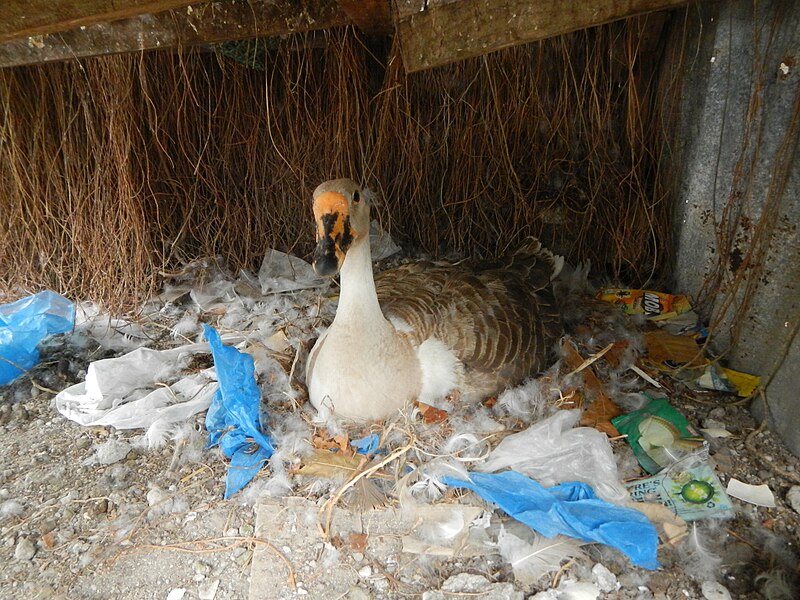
<point x="356" y="196"/>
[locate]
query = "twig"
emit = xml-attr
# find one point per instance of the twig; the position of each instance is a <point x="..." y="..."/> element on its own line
<point x="561" y="571"/>
<point x="28" y="373"/>
<point x="590" y="360"/>
<point x="641" y="373"/>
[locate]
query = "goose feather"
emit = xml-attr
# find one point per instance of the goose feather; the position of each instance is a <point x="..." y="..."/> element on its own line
<point x="424" y="329"/>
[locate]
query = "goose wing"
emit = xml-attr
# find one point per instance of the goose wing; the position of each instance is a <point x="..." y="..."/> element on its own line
<point x="497" y="317"/>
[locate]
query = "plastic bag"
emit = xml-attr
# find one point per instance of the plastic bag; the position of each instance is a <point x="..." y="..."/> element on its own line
<point x="233" y="419"/>
<point x="721" y="379"/>
<point x="689" y="488"/>
<point x="128" y="391"/>
<point x="24" y="324"/>
<point x="658" y="434"/>
<point x="367" y="445"/>
<point x="381" y="243"/>
<point x="551" y="452"/>
<point x="282" y="272"/>
<point x="570" y="509"/>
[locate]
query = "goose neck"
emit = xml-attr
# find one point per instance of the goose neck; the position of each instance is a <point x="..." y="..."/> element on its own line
<point x="358" y="298"/>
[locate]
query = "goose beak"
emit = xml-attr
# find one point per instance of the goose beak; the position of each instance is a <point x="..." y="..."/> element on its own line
<point x="334" y="234"/>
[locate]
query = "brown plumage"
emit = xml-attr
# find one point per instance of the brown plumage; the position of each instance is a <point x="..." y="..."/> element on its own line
<point x="498" y="317"/>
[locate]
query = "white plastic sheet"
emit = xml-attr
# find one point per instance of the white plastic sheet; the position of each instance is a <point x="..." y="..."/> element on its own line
<point x="381" y="243"/>
<point x="281" y="272"/>
<point x="552" y="452"/>
<point x="139" y="389"/>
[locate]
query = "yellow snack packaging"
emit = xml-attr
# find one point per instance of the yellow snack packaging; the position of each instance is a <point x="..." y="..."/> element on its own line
<point x="654" y="305"/>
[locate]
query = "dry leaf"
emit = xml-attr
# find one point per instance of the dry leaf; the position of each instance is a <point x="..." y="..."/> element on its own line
<point x="340" y="443"/>
<point x="614" y="355"/>
<point x="343" y="443"/>
<point x="277" y="342"/>
<point x="668" y="352"/>
<point x="324" y="463"/>
<point x="431" y="414"/>
<point x="357" y="541"/>
<point x="599" y="414"/>
<point x="574" y="360"/>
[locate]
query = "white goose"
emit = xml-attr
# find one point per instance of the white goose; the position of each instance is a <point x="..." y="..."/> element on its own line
<point x="422" y="330"/>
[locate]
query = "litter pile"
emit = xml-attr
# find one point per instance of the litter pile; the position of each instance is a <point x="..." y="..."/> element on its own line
<point x="589" y="466"/>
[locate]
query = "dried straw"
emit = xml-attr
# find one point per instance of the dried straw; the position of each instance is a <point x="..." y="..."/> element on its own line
<point x="114" y="169"/>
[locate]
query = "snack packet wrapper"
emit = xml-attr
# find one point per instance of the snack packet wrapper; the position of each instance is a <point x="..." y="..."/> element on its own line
<point x="689" y="488"/>
<point x="654" y="305"/>
<point x="658" y="434"/>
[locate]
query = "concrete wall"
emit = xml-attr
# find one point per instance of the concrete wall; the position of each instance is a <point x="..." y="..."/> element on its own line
<point x="737" y="178"/>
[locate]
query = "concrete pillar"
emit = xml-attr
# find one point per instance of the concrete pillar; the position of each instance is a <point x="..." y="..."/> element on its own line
<point x="737" y="191"/>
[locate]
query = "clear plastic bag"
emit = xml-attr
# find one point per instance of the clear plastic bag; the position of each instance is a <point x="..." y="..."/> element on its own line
<point x="552" y="451"/>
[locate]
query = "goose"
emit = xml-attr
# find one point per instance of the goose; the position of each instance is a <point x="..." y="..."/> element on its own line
<point x="423" y="330"/>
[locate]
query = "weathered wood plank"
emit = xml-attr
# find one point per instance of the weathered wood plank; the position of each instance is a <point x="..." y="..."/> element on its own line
<point x="23" y="18"/>
<point x="192" y="25"/>
<point x="370" y="16"/>
<point x="437" y="32"/>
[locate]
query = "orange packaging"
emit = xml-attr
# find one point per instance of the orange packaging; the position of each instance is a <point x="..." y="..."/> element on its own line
<point x="654" y="305"/>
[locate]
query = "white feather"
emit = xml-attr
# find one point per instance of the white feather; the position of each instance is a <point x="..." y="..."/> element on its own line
<point x="278" y="485"/>
<point x="775" y="585"/>
<point x="465" y="447"/>
<point x="447" y="526"/>
<point x="429" y="485"/>
<point x="291" y="434"/>
<point x="11" y="508"/>
<point x="527" y="401"/>
<point x="111" y="333"/>
<point x="190" y="438"/>
<point x="441" y="370"/>
<point x="400" y="325"/>
<point x="698" y="560"/>
<point x="530" y="561"/>
<point x="630" y="401"/>
<point x="187" y="325"/>
<point x="780" y="548"/>
<point x="251" y="492"/>
<point x="158" y="434"/>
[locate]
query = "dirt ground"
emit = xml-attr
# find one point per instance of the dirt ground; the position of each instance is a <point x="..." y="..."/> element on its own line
<point x="91" y="513"/>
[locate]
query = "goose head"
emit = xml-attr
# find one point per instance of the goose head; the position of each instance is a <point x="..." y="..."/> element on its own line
<point x="341" y="213"/>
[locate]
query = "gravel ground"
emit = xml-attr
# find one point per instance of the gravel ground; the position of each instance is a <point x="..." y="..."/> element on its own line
<point x="90" y="513"/>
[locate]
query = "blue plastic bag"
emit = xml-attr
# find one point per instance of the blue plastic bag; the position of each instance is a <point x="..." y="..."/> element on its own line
<point x="367" y="445"/>
<point x="571" y="509"/>
<point x="24" y="324"/>
<point x="233" y="419"/>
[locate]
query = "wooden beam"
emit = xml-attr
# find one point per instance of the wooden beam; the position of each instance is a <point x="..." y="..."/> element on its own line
<point x="192" y="25"/>
<point x="24" y="18"/>
<point x="437" y="32"/>
<point x="370" y="16"/>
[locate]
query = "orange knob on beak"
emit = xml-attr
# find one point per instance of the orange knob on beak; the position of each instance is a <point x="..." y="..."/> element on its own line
<point x="334" y="234"/>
